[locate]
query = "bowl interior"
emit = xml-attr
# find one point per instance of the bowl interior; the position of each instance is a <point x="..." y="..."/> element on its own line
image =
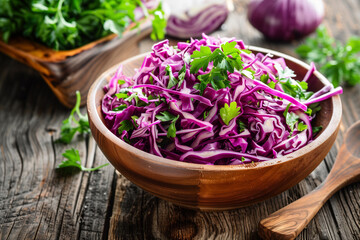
<point x="329" y="116"/>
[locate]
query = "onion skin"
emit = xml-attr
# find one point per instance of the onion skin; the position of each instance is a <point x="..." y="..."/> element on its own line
<point x="205" y="21"/>
<point x="285" y="20"/>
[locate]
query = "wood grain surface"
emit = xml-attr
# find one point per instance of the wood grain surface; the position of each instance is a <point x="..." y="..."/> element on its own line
<point x="36" y="202"/>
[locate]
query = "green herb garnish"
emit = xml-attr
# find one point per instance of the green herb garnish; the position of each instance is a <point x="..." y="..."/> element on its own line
<point x="73" y="161"/>
<point x="317" y="129"/>
<point x="313" y="108"/>
<point x="339" y="63"/>
<point x="225" y="59"/>
<point x="121" y="95"/>
<point x="291" y="86"/>
<point x="302" y="126"/>
<point x="165" y="116"/>
<point x="264" y="78"/>
<point x="241" y="125"/>
<point x="205" y="114"/>
<point x="121" y="82"/>
<point x="120" y="108"/>
<point x="172" y="129"/>
<point x="172" y="80"/>
<point x="125" y="125"/>
<point x="291" y="118"/>
<point x="181" y="75"/>
<point x="72" y="125"/>
<point x="227" y="113"/>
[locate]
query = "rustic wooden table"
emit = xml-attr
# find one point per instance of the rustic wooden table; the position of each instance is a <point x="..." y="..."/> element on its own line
<point x="36" y="202"/>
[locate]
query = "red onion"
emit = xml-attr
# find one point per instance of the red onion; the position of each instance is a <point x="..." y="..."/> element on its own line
<point x="193" y="17"/>
<point x="285" y="19"/>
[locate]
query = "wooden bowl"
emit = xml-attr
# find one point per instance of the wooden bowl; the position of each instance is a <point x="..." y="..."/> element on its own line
<point x="76" y="69"/>
<point x="209" y="187"/>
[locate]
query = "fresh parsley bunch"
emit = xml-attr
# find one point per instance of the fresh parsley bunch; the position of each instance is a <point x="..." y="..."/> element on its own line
<point x="68" y="24"/>
<point x="339" y="63"/>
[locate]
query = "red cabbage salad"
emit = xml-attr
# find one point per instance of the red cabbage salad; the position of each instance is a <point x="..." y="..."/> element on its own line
<point x="212" y="101"/>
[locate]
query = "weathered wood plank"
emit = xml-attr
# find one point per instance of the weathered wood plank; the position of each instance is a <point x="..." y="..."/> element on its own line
<point x="37" y="202"/>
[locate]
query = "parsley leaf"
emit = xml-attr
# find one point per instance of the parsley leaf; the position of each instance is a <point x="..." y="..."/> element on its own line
<point x="290" y="86"/>
<point x="121" y="82"/>
<point x="119" y="108"/>
<point x="181" y="75"/>
<point x="313" y="108"/>
<point x="264" y="78"/>
<point x="227" y="113"/>
<point x="165" y="116"/>
<point x="72" y="125"/>
<point x="302" y="126"/>
<point x="205" y="114"/>
<point x="339" y="63"/>
<point x="229" y="48"/>
<point x="172" y="129"/>
<point x="131" y="97"/>
<point x="291" y="118"/>
<point x="121" y="95"/>
<point x="201" y="59"/>
<point x="201" y="86"/>
<point x="317" y="129"/>
<point x="125" y="125"/>
<point x="134" y="118"/>
<point x="308" y="111"/>
<point x="272" y="84"/>
<point x="235" y="60"/>
<point x="73" y="161"/>
<point x="241" y="125"/>
<point x="172" y="80"/>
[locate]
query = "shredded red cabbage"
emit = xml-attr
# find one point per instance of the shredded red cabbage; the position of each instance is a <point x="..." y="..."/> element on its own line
<point x="259" y="112"/>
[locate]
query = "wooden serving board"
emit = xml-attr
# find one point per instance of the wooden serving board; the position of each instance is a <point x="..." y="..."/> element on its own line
<point x="71" y="70"/>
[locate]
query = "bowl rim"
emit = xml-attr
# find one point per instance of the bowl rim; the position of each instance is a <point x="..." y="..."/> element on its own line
<point x="325" y="134"/>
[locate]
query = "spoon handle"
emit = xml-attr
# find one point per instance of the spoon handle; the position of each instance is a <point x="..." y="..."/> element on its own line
<point x="289" y="221"/>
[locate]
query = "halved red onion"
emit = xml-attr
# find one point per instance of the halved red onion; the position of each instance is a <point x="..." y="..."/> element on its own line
<point x="192" y="18"/>
<point x="285" y="19"/>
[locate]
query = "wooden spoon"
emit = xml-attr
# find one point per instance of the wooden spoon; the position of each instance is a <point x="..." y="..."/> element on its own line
<point x="289" y="221"/>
